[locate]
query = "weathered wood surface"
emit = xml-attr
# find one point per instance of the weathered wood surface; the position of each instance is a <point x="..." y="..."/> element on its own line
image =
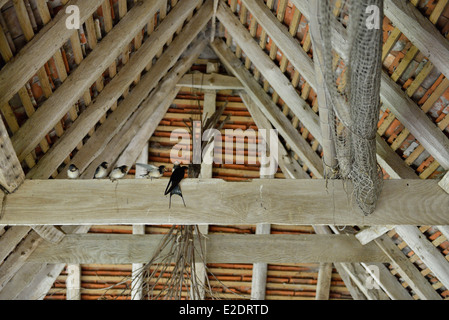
<point x="213" y="201"/>
<point x="101" y="248"/>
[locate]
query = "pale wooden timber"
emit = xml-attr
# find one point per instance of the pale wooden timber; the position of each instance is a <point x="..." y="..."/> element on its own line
<point x="97" y="143"/>
<point x="112" y="92"/>
<point x="269" y="108"/>
<point x="420" y="31"/>
<point x="11" y="172"/>
<point x="274" y="201"/>
<point x="60" y="102"/>
<point x="10" y="239"/>
<point x="325" y="109"/>
<point x="369" y="234"/>
<point x="138" y="130"/>
<point x="280" y="35"/>
<point x="32" y="280"/>
<point x="289" y="167"/>
<point x="324" y="281"/>
<point x="415" y="120"/>
<point x="269" y="70"/>
<point x="407" y="270"/>
<point x="426" y="251"/>
<point x="259" y="276"/>
<point x="213" y="81"/>
<point x="444" y="182"/>
<point x="392" y="162"/>
<point x="360" y="277"/>
<point x="40" y="49"/>
<point x="73" y="282"/>
<point x="49" y="233"/>
<point x="407" y="112"/>
<point x="221" y="248"/>
<point x="348" y="273"/>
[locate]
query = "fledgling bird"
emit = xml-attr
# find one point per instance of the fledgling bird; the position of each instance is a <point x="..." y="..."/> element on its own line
<point x="73" y="172"/>
<point x="152" y="171"/>
<point x="118" y="173"/>
<point x="101" y="171"/>
<point x="173" y="186"/>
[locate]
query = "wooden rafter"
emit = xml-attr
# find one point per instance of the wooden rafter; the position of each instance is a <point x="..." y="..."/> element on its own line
<point x="40" y="49"/>
<point x="58" y="104"/>
<point x="112" y="92"/>
<point x="269" y="108"/>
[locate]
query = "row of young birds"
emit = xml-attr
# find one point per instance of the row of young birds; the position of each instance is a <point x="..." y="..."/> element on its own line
<point x="173" y="187"/>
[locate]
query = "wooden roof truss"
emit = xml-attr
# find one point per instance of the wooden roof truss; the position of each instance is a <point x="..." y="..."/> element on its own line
<point x="126" y="75"/>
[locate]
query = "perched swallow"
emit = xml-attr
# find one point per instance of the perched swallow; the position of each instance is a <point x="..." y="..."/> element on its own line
<point x="101" y="171"/>
<point x="173" y="186"/>
<point x="118" y="173"/>
<point x="73" y="172"/>
<point x="152" y="171"/>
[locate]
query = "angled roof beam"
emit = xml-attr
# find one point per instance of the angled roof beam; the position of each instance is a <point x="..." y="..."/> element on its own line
<point x="40" y="49"/>
<point x="269" y="108"/>
<point x="49" y="163"/>
<point x="269" y="70"/>
<point x="59" y="103"/>
<point x="408" y="271"/>
<point x="426" y="251"/>
<point x="405" y="109"/>
<point x="11" y="173"/>
<point x="149" y="81"/>
<point x="420" y="31"/>
<point x="136" y="201"/>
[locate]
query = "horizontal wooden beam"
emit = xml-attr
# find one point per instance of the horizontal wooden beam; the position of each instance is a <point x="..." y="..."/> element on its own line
<point x="50" y="162"/>
<point x="221" y="248"/>
<point x="212" y="81"/>
<point x="214" y="201"/>
<point x="40" y="49"/>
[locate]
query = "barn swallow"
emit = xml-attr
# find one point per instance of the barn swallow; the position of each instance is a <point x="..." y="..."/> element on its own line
<point x="101" y="171"/>
<point x="118" y="173"/>
<point x="152" y="171"/>
<point x="173" y="186"/>
<point x="73" y="172"/>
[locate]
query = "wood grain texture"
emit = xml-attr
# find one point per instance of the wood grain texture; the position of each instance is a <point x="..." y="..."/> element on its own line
<point x="270" y="109"/>
<point x="420" y="31"/>
<point x="269" y="70"/>
<point x="407" y="270"/>
<point x="213" y="201"/>
<point x="98" y="248"/>
<point x="60" y="102"/>
<point x="40" y="49"/>
<point x="112" y="92"/>
<point x="11" y="173"/>
<point x="213" y="81"/>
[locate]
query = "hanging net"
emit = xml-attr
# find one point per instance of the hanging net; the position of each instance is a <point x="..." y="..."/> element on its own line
<point x="351" y="88"/>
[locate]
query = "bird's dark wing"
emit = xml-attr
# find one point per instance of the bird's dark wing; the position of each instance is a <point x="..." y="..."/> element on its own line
<point x="96" y="171"/>
<point x="175" y="179"/>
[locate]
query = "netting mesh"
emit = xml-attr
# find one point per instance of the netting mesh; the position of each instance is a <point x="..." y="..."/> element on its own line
<point x="352" y="90"/>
